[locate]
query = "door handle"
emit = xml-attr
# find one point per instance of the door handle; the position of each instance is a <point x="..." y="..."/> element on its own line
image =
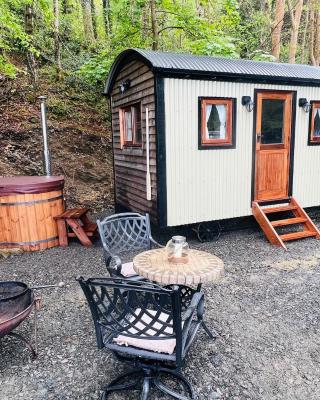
<point x="259" y="137"/>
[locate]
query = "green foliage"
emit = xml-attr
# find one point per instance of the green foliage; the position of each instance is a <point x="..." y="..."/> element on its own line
<point x="180" y="28"/>
<point x="219" y="46"/>
<point x="260" y="55"/>
<point x="253" y="32"/>
<point x="96" y="69"/>
<point x="7" y="68"/>
<point x="223" y="28"/>
<point x="12" y="34"/>
<point x="230" y="17"/>
<point x="57" y="107"/>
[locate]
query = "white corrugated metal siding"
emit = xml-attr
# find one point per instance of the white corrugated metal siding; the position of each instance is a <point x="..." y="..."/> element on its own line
<point x="204" y="185"/>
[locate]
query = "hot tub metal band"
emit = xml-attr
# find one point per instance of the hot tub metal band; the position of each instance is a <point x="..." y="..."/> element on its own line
<point x="28" y="243"/>
<point x="29" y="203"/>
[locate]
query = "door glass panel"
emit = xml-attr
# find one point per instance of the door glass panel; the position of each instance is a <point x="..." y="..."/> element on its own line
<point x="216" y="115"/>
<point x="272" y="121"/>
<point x="316" y="122"/>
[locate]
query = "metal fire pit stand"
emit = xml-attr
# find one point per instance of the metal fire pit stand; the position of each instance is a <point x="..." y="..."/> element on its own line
<point x="33" y="349"/>
<point x="36" y="305"/>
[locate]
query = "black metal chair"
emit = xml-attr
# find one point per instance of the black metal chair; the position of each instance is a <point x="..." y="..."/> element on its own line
<point x="123" y="233"/>
<point x="186" y="294"/>
<point x="143" y="324"/>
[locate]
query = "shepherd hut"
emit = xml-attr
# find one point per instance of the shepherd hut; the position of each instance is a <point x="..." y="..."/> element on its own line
<point x="199" y="138"/>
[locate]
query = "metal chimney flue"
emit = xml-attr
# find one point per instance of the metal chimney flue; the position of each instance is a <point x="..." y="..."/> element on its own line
<point x="46" y="151"/>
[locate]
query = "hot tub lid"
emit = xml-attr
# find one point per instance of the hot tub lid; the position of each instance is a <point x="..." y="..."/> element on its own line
<point x="30" y="184"/>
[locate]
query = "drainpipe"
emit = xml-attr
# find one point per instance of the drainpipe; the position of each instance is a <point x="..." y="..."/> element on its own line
<point x="46" y="152"/>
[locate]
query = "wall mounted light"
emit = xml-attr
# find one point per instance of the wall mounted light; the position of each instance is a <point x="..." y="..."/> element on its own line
<point x="303" y="102"/>
<point x="124" y="86"/>
<point x="247" y="102"/>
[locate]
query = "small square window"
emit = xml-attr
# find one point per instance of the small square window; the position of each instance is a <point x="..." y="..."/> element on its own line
<point x="217" y="122"/>
<point x="130" y="125"/>
<point x="314" y="125"/>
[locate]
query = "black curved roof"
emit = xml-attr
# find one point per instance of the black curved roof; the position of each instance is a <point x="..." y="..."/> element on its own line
<point x="206" y="67"/>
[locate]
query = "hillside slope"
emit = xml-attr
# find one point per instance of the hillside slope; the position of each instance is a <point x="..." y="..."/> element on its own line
<point x="79" y="134"/>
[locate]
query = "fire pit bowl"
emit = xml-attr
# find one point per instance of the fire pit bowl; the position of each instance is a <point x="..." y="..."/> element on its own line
<point x="16" y="303"/>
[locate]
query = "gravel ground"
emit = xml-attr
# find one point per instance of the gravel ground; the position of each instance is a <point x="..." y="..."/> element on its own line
<point x="266" y="312"/>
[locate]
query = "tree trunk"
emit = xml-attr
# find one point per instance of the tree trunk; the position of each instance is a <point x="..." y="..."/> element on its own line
<point x="87" y="20"/>
<point x="317" y="36"/>
<point x="145" y="22"/>
<point x="107" y="16"/>
<point x="31" y="62"/>
<point x="94" y="19"/>
<point x="56" y="39"/>
<point x="277" y="28"/>
<point x="312" y="31"/>
<point x="154" y="26"/>
<point x="64" y="4"/>
<point x="295" y="14"/>
<point x="265" y="6"/>
<point x="66" y="7"/>
<point x="305" y="34"/>
<point x="265" y="9"/>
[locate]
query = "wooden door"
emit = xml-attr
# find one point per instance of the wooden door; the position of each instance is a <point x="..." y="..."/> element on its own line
<point x="273" y="135"/>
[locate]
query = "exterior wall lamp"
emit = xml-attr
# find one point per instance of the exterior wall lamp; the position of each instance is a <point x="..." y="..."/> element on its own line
<point x="248" y="103"/>
<point x="303" y="102"/>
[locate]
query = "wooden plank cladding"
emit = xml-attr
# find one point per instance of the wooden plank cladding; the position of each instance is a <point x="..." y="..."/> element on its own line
<point x="27" y="220"/>
<point x="130" y="163"/>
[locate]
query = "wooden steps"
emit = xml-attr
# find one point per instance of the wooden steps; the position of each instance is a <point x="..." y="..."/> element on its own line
<point x="272" y="210"/>
<point x="288" y="221"/>
<point x="299" y="217"/>
<point x="297" y="235"/>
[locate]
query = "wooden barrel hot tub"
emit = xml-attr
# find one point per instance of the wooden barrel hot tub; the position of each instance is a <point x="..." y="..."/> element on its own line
<point x="27" y="207"/>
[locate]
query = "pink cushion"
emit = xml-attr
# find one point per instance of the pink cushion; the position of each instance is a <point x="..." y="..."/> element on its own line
<point x="127" y="270"/>
<point x="159" y="346"/>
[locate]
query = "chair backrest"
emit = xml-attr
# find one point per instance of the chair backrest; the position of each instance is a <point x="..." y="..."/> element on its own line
<point x="134" y="309"/>
<point x="125" y="232"/>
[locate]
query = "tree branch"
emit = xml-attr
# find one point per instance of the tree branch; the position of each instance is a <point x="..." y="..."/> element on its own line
<point x="168" y="12"/>
<point x="169" y="27"/>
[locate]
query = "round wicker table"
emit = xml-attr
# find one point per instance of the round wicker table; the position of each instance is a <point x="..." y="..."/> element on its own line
<point x="202" y="267"/>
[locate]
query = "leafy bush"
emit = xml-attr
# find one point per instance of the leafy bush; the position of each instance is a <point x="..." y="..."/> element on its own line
<point x="97" y="68"/>
<point x="219" y="46"/>
<point x="57" y="107"/>
<point x="7" y="68"/>
<point x="260" y="55"/>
